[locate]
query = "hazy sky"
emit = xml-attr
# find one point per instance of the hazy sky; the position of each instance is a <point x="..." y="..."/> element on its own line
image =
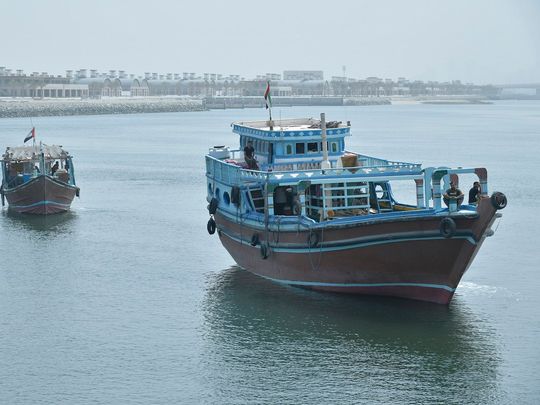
<point x="482" y="41"/>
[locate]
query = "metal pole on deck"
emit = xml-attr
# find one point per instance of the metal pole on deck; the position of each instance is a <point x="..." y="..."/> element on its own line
<point x="325" y="162"/>
<point x="266" y="218"/>
<point x="41" y="159"/>
<point x="325" y="165"/>
<point x="266" y="214"/>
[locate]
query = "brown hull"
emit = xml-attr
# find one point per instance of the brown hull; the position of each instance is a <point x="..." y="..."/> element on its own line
<point x="405" y="258"/>
<point x="42" y="195"/>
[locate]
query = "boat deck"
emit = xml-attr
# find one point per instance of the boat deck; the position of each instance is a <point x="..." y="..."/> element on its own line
<point x="233" y="171"/>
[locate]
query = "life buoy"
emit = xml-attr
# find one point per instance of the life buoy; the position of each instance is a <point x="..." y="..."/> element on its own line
<point x="313" y="239"/>
<point x="254" y="239"/>
<point x="498" y="200"/>
<point x="447" y="227"/>
<point x="211" y="226"/>
<point x="264" y="251"/>
<point x="212" y="207"/>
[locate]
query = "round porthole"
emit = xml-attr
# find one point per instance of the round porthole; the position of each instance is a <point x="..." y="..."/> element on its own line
<point x="379" y="191"/>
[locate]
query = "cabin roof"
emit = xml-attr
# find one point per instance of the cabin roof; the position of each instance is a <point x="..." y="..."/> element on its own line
<point x="286" y="128"/>
<point x="21" y="153"/>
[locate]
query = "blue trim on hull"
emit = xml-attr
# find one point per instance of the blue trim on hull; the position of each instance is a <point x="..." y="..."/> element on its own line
<point x="39" y="204"/>
<point x="349" y="246"/>
<point x="367" y="244"/>
<point x="346" y="285"/>
<point x="288" y="223"/>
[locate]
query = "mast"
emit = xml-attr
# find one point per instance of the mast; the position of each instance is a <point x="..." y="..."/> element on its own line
<point x="41" y="159"/>
<point x="325" y="164"/>
<point x="268" y="101"/>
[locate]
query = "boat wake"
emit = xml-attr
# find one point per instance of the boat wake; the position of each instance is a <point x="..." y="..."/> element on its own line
<point x="478" y="288"/>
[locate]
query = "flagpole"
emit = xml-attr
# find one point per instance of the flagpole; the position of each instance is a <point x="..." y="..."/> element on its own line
<point x="33" y="134"/>
<point x="268" y="100"/>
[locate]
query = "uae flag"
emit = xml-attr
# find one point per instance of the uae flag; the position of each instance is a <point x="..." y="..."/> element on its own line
<point x="267" y="97"/>
<point x="31" y="135"/>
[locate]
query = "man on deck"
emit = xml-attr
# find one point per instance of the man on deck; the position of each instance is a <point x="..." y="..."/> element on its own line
<point x="474" y="193"/>
<point x="249" y="156"/>
<point x="453" y="193"/>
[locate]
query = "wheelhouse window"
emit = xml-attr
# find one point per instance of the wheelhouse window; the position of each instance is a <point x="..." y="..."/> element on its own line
<point x="312" y="147"/>
<point x="334" y="147"/>
<point x="327" y="146"/>
<point x="300" y="148"/>
<point x="288" y="149"/>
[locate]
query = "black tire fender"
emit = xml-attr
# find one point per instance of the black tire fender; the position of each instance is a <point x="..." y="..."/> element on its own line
<point x="498" y="200"/>
<point x="447" y="227"/>
<point x="212" y="207"/>
<point x="211" y="226"/>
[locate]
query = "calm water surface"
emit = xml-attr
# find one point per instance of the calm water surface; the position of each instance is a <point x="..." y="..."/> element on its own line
<point x="127" y="299"/>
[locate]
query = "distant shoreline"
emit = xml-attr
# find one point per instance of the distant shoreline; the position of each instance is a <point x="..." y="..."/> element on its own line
<point x="20" y="108"/>
<point x="441" y="100"/>
<point x="17" y="108"/>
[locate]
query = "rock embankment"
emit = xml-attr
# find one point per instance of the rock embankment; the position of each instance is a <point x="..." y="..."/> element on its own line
<point x="41" y="108"/>
<point x="366" y="101"/>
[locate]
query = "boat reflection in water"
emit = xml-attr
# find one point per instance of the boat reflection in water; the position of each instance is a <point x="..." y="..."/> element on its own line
<point x="267" y="335"/>
<point x="43" y="225"/>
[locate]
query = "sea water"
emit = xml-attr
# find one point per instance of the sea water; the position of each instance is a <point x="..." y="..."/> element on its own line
<point x="127" y="299"/>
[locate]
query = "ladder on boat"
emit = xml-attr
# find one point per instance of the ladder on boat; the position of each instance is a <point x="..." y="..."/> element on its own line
<point x="384" y="203"/>
<point x="256" y="197"/>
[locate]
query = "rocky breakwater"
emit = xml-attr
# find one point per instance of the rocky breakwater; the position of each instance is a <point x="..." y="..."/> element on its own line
<point x="53" y="107"/>
<point x="366" y="101"/>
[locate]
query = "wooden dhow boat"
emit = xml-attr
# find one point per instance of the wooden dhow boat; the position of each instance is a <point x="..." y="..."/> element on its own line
<point x="38" y="179"/>
<point x="313" y="215"/>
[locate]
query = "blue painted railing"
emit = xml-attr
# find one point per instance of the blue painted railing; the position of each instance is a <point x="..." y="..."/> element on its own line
<point x="230" y="173"/>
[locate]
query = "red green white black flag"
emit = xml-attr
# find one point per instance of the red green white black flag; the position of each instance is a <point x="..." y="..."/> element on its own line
<point x="267" y="97"/>
<point x="31" y="135"/>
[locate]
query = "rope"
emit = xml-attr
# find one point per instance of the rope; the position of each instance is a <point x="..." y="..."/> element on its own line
<point x="319" y="259"/>
<point x="241" y="224"/>
<point x="498" y="223"/>
<point x="274" y="239"/>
